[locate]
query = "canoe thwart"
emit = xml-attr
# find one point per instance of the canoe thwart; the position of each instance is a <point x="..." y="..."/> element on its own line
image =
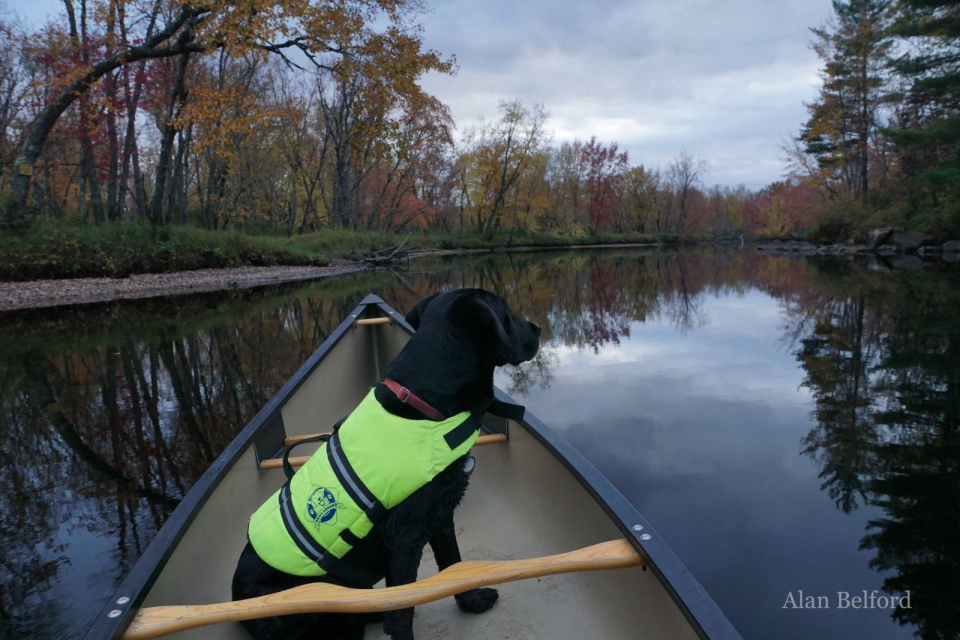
<point x="299" y="461"/>
<point x="294" y="439"/>
<point x="495" y="438"/>
<point x="154" y="622"/>
<point x="363" y="322"/>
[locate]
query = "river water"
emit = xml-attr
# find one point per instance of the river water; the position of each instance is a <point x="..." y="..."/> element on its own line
<point x="786" y="425"/>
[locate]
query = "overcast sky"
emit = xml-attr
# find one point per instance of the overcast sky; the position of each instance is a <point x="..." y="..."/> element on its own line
<point x="725" y="80"/>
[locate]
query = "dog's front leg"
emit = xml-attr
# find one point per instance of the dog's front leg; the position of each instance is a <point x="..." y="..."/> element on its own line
<point x="447" y="552"/>
<point x="402" y="569"/>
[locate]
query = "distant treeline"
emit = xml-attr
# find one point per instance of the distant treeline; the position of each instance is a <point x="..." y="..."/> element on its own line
<point x="197" y="114"/>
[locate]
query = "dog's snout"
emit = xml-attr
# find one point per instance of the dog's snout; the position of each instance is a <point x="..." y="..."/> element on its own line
<point x="536" y="328"/>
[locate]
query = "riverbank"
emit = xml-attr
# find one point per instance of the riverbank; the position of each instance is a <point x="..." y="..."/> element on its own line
<point x="59" y="251"/>
<point x="38" y="294"/>
<point x="906" y="248"/>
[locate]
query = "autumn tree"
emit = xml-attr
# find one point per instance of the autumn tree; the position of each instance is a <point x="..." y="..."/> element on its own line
<point x="638" y="200"/>
<point x="500" y="153"/>
<point x="231" y="123"/>
<point x="354" y="112"/>
<point x="685" y="174"/>
<point x="566" y="175"/>
<point x="605" y="166"/>
<point x="378" y="36"/>
<point x="413" y="180"/>
<point x="725" y="209"/>
<point x="302" y="146"/>
<point x="13" y="90"/>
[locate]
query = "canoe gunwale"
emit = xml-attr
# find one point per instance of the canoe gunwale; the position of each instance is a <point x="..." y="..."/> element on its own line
<point x="703" y="614"/>
<point x="137" y="584"/>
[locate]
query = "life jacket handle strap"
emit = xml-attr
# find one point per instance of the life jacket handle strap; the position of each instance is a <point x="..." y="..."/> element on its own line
<point x="287" y="467"/>
<point x="323" y="437"/>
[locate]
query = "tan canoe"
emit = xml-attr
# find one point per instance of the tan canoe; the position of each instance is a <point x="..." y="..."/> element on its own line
<point x="530" y="496"/>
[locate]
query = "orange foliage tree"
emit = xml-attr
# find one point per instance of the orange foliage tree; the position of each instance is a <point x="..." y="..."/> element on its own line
<point x="104" y="36"/>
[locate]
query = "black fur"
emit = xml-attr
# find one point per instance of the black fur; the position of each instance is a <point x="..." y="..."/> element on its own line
<point x="462" y="336"/>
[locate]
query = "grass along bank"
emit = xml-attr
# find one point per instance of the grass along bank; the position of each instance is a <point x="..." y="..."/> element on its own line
<point x="49" y="250"/>
<point x="338" y="242"/>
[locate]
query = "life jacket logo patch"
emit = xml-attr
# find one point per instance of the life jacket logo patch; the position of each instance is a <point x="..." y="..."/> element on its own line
<point x="322" y="506"/>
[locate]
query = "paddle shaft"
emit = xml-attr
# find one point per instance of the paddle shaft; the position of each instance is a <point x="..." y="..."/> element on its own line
<point x="155" y="622"/>
<point x="299" y="461"/>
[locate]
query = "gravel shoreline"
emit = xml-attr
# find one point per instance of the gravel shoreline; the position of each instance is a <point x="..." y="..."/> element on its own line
<point x="38" y="294"/>
<point x="51" y="293"/>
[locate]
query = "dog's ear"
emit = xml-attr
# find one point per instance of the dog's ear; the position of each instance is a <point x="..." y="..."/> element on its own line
<point x="505" y="350"/>
<point x="416" y="314"/>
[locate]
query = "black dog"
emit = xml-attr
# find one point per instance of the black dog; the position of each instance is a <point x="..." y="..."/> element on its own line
<point x="461" y="337"/>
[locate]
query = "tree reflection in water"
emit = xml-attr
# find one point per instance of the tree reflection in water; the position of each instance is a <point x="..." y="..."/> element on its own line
<point x="110" y="415"/>
<point x="882" y="358"/>
<point x="111" y="412"/>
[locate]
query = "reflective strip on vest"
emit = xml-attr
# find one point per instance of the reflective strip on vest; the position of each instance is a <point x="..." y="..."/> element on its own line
<point x="372" y="463"/>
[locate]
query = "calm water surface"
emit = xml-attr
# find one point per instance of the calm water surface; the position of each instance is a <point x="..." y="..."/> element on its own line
<point x="785" y="425"/>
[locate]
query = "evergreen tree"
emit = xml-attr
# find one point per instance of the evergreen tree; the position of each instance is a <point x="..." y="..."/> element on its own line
<point x="854" y="51"/>
<point x="928" y="131"/>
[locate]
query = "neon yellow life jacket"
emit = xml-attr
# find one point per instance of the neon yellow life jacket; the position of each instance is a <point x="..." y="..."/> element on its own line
<point x="372" y="463"/>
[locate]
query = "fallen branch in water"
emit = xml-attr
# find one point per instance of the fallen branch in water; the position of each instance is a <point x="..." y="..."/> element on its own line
<point x="388" y="255"/>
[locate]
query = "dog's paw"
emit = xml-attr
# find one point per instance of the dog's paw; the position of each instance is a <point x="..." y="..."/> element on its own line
<point x="399" y="624"/>
<point x="477" y="600"/>
<point x="397" y="632"/>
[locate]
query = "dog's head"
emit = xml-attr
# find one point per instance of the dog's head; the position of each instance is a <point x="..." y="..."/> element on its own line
<point x="483" y="319"/>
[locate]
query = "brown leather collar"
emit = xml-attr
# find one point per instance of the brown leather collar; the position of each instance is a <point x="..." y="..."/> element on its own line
<point x="408" y="397"/>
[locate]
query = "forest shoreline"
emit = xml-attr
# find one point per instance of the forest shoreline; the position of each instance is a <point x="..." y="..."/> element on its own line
<point x="44" y="293"/>
<point x="61" y="250"/>
<point x="47" y="293"/>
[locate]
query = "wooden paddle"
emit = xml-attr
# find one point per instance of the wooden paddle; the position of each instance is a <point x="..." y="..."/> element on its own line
<point x="154" y="622"/>
<point x="299" y="461"/>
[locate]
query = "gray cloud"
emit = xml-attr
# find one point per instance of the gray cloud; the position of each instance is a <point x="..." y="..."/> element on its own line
<point x="724" y="80"/>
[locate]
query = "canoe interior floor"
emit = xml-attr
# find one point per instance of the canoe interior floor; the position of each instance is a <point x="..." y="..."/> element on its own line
<point x="522" y="503"/>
